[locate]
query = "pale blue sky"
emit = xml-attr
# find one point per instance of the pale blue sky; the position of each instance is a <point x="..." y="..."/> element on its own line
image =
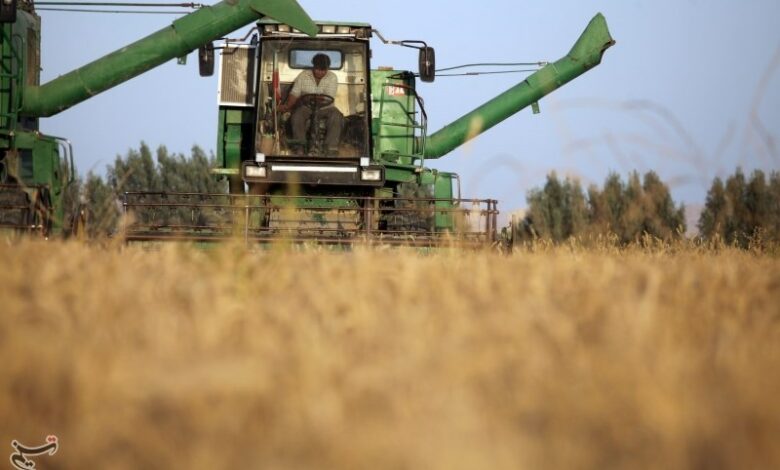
<point x="691" y="90"/>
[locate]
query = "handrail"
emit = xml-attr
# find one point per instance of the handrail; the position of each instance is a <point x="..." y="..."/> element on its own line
<point x="67" y="146"/>
<point x="423" y="125"/>
<point x="16" y="77"/>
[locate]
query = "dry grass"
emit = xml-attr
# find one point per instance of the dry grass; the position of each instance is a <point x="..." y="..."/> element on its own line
<point x="554" y="358"/>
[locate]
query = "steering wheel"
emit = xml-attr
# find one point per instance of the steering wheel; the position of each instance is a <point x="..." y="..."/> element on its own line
<point x="315" y="100"/>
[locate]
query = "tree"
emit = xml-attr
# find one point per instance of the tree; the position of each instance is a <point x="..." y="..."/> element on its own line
<point x="139" y="171"/>
<point x="757" y="204"/>
<point x="642" y="206"/>
<point x="559" y="210"/>
<point x="662" y="218"/>
<point x="743" y="209"/>
<point x="712" y="221"/>
<point x="736" y="228"/>
<point x="102" y="212"/>
<point x="181" y="174"/>
<point x="606" y="206"/>
<point x="631" y="224"/>
<point x="136" y="172"/>
<point x="773" y="225"/>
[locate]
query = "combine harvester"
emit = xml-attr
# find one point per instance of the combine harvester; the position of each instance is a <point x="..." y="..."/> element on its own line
<point x="366" y="181"/>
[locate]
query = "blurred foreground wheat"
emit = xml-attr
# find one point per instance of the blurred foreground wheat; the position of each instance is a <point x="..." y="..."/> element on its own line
<point x="563" y="358"/>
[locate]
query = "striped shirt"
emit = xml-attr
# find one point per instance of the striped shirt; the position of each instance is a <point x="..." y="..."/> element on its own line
<point x="305" y="84"/>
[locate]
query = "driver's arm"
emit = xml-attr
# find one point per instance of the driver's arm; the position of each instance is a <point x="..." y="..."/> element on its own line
<point x="292" y="97"/>
<point x="289" y="104"/>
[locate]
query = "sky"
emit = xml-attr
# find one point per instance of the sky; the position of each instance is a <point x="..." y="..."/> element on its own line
<point x="691" y="90"/>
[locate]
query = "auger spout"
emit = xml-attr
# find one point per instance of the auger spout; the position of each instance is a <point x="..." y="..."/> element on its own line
<point x="585" y="54"/>
<point x="180" y="38"/>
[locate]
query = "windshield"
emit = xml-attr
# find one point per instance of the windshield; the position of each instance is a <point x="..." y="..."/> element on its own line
<point x="312" y="98"/>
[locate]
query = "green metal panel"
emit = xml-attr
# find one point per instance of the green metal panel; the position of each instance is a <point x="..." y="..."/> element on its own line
<point x="316" y="202"/>
<point x="183" y="36"/>
<point x="235" y="142"/>
<point x="221" y="162"/>
<point x="35" y="161"/>
<point x="392" y="109"/>
<point x="383" y="193"/>
<point x="8" y="69"/>
<point x="442" y="189"/>
<point x="585" y="54"/>
<point x="47" y="165"/>
<point x="400" y="173"/>
<point x="19" y="64"/>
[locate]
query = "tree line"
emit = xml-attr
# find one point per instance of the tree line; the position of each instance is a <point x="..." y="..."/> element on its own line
<point x="743" y="210"/>
<point x="98" y="200"/>
<point x="561" y="210"/>
<point x="738" y="211"/>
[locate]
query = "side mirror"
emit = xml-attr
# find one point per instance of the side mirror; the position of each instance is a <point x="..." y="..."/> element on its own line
<point x="427" y="64"/>
<point x="205" y="59"/>
<point x="7" y="11"/>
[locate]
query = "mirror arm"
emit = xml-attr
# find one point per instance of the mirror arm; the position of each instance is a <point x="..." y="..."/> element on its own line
<point x="405" y="43"/>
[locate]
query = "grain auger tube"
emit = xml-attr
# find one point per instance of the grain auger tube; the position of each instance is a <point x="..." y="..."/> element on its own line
<point x="585" y="55"/>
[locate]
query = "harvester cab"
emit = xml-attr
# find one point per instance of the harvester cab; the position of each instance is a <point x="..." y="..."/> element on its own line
<point x="329" y="116"/>
<point x="306" y="124"/>
<point x="309" y="130"/>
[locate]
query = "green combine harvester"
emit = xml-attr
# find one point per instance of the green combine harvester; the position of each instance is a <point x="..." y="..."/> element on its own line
<point x="333" y="167"/>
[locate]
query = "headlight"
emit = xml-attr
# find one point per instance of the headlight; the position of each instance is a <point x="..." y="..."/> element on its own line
<point x="255" y="171"/>
<point x="371" y="175"/>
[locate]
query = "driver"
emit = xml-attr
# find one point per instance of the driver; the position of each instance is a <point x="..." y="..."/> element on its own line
<point x="317" y="81"/>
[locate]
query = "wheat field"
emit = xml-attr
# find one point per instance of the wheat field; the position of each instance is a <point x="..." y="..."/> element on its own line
<point x="560" y="358"/>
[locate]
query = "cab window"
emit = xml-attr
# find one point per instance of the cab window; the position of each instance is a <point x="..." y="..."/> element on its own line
<point x="301" y="58"/>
